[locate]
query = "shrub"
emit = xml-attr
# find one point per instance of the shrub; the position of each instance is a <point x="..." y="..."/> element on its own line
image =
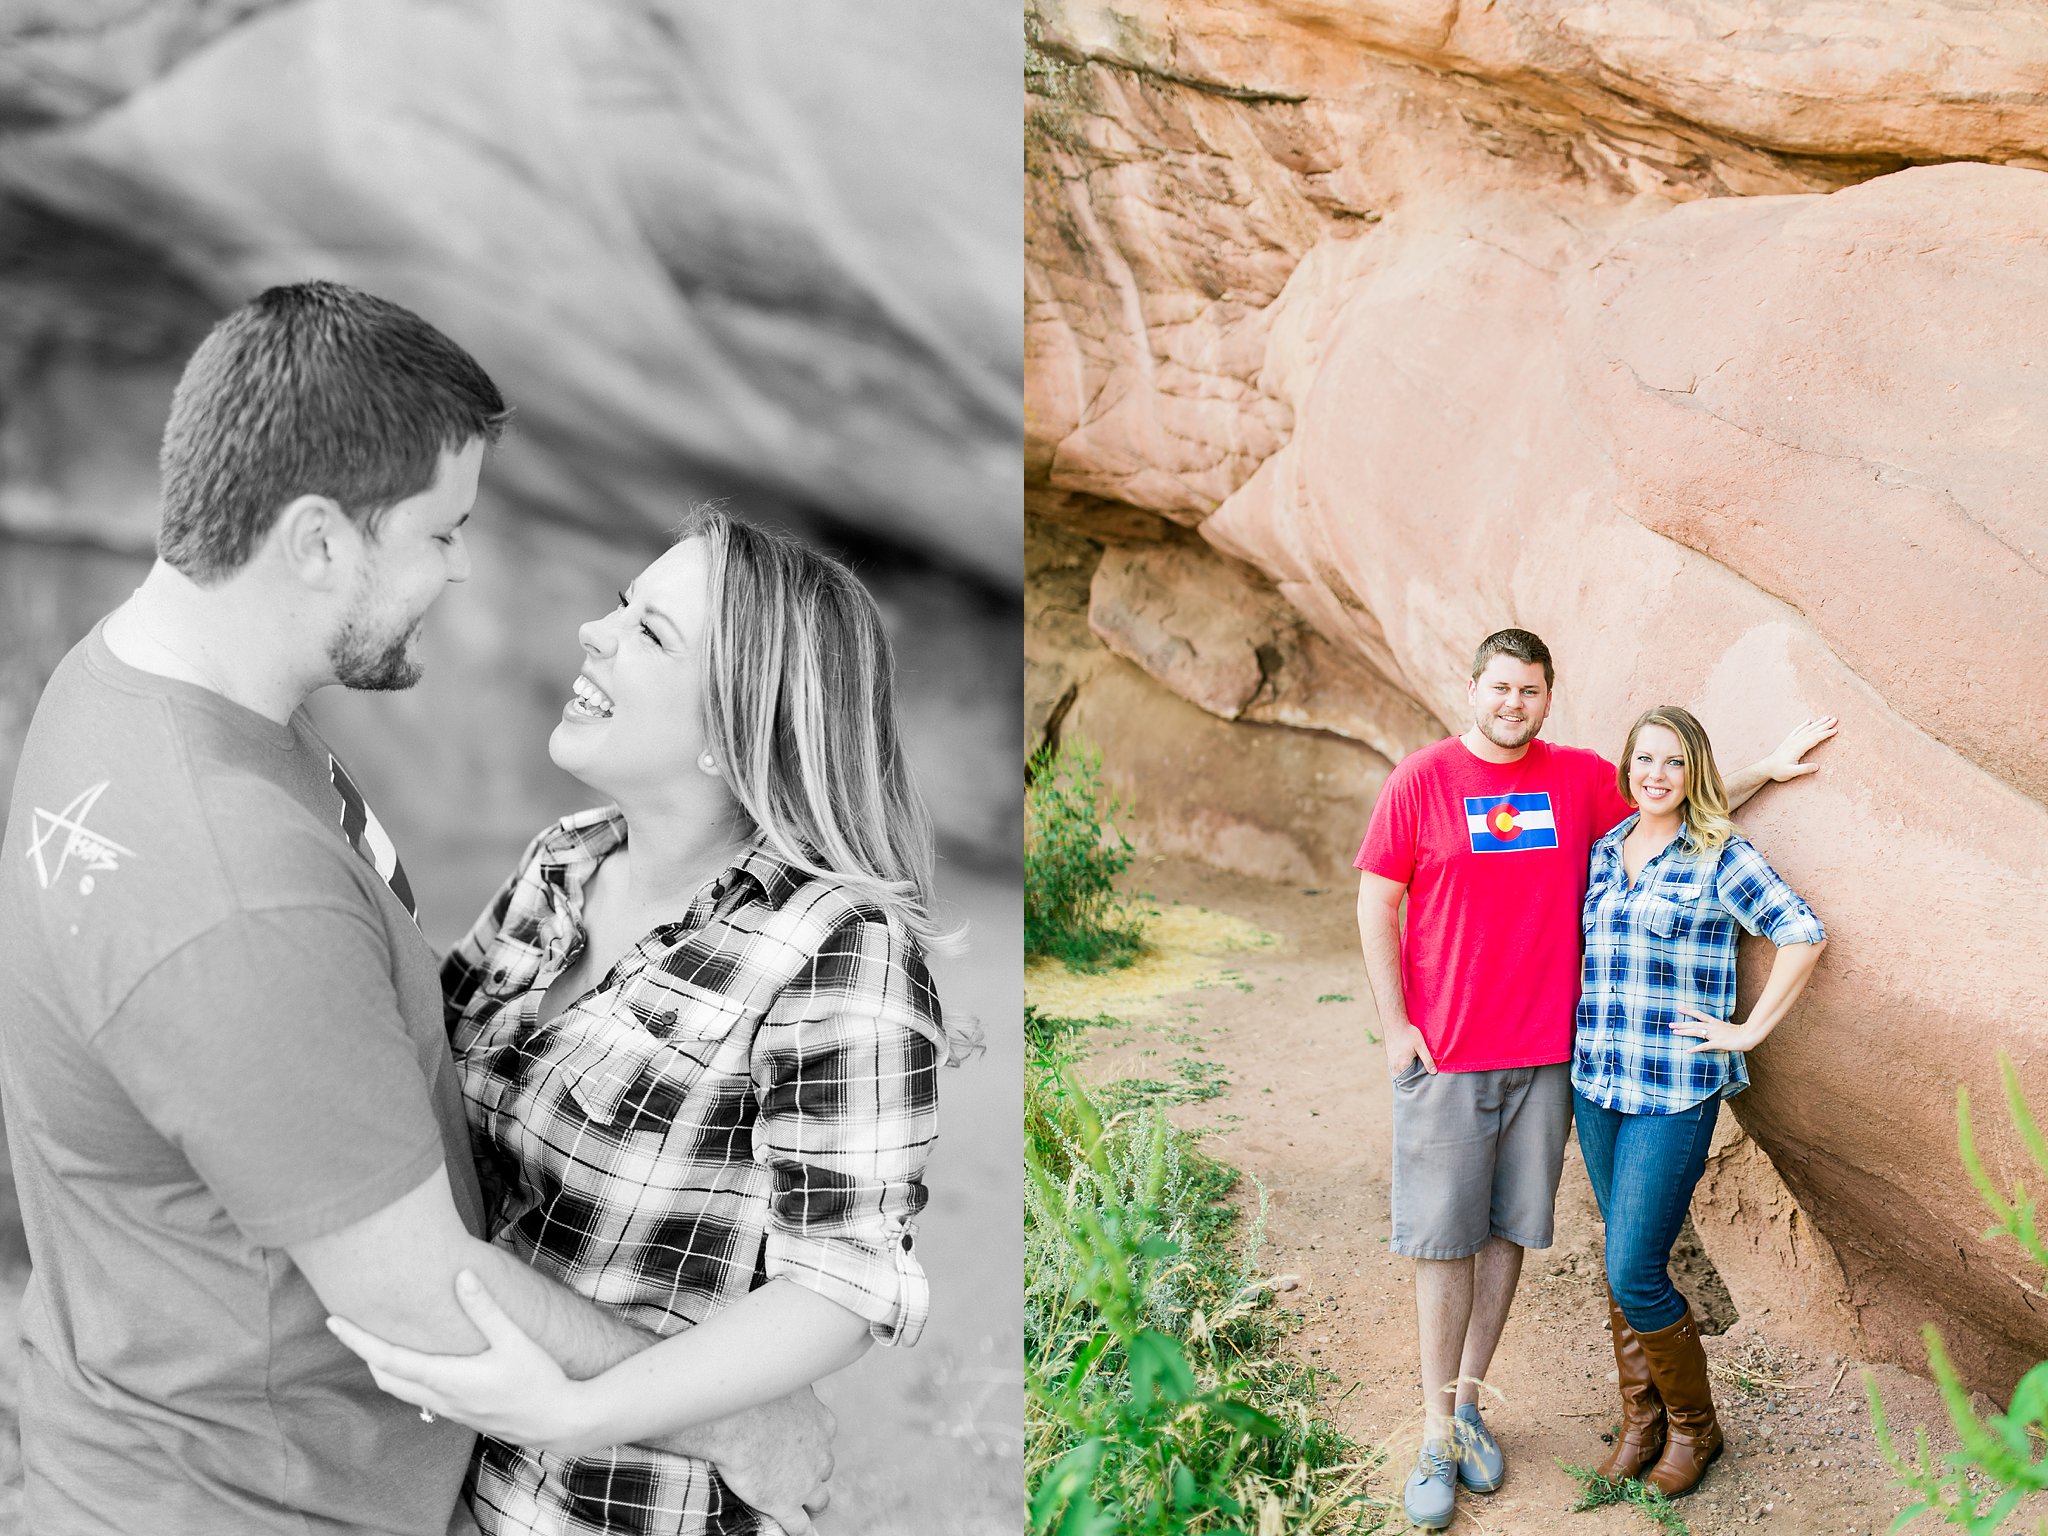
<point x="2003" y="1457"/>
<point x="1156" y="1400"/>
<point x="1073" y="852"/>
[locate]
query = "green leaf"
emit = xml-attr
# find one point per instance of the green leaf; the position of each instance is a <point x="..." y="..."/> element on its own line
<point x="1242" y="1416"/>
<point x="1158" y="1368"/>
<point x="2030" y="1398"/>
<point x="1065" y="1485"/>
<point x="1085" y="1361"/>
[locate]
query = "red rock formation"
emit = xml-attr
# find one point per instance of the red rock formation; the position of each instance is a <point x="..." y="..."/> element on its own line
<point x="1625" y="326"/>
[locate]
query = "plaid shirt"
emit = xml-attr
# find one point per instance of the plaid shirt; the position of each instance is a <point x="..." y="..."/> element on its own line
<point x="1668" y="940"/>
<point x="751" y="1093"/>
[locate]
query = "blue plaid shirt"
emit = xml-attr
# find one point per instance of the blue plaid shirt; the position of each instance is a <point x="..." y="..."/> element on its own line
<point x="1669" y="940"/>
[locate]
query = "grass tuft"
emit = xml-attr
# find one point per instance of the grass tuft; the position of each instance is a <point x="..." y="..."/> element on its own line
<point x="1597" y="1492"/>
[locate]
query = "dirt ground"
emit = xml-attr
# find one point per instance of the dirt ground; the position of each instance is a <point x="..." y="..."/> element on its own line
<point x="1306" y="1115"/>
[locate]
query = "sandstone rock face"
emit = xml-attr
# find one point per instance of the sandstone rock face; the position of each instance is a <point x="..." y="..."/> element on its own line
<point x="1286" y="805"/>
<point x="1781" y="1277"/>
<point x="701" y="260"/>
<point x="1627" y="326"/>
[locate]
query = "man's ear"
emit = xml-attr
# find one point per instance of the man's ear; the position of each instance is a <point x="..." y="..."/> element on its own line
<point x="318" y="542"/>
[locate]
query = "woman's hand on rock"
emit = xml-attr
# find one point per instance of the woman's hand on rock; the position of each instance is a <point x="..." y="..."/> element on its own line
<point x="1785" y="762"/>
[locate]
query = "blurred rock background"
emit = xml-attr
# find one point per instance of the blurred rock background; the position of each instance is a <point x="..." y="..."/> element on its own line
<point x="768" y="253"/>
<point x="1698" y="336"/>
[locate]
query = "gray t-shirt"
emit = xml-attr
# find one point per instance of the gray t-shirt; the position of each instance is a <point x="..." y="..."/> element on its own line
<point x="220" y="1033"/>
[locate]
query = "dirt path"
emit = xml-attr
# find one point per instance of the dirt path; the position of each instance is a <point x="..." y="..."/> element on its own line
<point x="1306" y="1115"/>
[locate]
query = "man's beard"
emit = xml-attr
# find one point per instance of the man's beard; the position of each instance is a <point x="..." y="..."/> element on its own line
<point x="370" y="662"/>
<point x="1495" y="729"/>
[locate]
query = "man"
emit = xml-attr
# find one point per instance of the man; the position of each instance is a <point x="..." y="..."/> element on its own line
<point x="1487" y="837"/>
<point x="230" y="1104"/>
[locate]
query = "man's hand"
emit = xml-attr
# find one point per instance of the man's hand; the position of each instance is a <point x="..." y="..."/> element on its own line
<point x="1784" y="763"/>
<point x="1405" y="1044"/>
<point x="778" y="1458"/>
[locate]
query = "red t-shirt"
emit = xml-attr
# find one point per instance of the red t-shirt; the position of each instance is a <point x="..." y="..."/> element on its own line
<point x="1494" y="857"/>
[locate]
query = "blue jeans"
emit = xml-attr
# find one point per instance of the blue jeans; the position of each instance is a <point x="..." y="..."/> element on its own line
<point x="1643" y="1169"/>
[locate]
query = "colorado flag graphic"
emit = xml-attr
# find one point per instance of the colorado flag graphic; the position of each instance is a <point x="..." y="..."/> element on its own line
<point x="367" y="836"/>
<point x="1510" y="823"/>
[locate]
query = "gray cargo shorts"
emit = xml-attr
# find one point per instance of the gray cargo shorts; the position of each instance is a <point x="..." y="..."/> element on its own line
<point x="1477" y="1155"/>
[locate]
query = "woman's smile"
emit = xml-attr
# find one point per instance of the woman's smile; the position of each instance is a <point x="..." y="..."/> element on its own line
<point x="587" y="701"/>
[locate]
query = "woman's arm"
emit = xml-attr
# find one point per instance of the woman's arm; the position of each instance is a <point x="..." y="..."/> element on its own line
<point x="764" y="1346"/>
<point x="1789" y="973"/>
<point x="1782" y="764"/>
<point x="1758" y="898"/>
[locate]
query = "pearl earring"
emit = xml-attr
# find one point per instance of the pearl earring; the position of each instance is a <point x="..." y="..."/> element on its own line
<point x="707" y="762"/>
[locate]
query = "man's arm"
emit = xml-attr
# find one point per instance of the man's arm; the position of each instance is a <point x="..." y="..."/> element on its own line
<point x="394" y="1273"/>
<point x="1783" y="763"/>
<point x="1379" y="935"/>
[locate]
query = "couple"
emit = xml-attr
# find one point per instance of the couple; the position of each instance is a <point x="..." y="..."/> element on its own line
<point x="1568" y="956"/>
<point x="636" y="1169"/>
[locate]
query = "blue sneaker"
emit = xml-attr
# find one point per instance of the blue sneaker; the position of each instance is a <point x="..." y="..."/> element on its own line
<point x="1481" y="1467"/>
<point x="1432" y="1488"/>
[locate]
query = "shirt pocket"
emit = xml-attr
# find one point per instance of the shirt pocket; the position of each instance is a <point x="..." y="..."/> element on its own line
<point x="635" y="1076"/>
<point x="1673" y="904"/>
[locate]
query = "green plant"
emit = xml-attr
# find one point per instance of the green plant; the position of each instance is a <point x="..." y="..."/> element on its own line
<point x="1073" y="851"/>
<point x="1195" y="1082"/>
<point x="2001" y="1458"/>
<point x="1157" y="1399"/>
<point x="1597" y="1492"/>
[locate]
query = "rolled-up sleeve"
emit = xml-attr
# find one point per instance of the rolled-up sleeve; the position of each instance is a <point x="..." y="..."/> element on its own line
<point x="1761" y="900"/>
<point x="845" y="1067"/>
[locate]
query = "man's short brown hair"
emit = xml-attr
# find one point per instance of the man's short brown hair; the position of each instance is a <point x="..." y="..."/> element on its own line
<point x="314" y="389"/>
<point x="1517" y="643"/>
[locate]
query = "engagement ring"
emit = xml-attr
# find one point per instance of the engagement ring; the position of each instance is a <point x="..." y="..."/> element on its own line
<point x="426" y="1417"/>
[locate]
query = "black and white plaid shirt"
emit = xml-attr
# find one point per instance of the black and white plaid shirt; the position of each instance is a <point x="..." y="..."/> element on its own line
<point x="750" y="1094"/>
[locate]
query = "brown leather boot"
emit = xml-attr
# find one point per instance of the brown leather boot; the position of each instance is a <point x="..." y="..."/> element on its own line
<point x="1640" y="1440"/>
<point x="1692" y="1436"/>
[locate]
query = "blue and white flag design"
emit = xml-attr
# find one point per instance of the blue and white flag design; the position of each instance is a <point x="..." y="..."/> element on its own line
<point x="1510" y="823"/>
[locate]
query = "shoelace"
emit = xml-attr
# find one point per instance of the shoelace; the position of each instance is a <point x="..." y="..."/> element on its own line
<point x="1439" y="1463"/>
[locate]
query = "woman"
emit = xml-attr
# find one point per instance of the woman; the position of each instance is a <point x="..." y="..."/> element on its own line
<point x="697" y="1039"/>
<point x="1656" y="1051"/>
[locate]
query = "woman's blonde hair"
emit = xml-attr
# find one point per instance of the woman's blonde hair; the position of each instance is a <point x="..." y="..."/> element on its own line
<point x="1706" y="797"/>
<point x="800" y="711"/>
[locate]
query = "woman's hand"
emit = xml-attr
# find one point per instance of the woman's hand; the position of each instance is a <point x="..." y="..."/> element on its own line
<point x="1785" y="763"/>
<point x="513" y="1390"/>
<point x="1712" y="1034"/>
